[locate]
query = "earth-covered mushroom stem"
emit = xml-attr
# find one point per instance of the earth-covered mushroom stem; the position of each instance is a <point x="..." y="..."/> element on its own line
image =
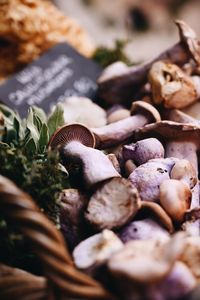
<point x="118" y="132"/>
<point x="144" y="150"/>
<point x="123" y="82"/>
<point x="76" y="143"/>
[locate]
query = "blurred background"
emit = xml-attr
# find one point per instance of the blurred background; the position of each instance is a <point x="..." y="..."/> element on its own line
<point x="146" y="26"/>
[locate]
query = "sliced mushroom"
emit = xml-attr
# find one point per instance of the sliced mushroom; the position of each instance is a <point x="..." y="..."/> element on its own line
<point x="144" y="150"/>
<point x="83" y="111"/>
<point x="72" y="206"/>
<point x="75" y="142"/>
<point x="118" y="132"/>
<point x="148" y="177"/>
<point x="96" y="250"/>
<point x="143" y="230"/>
<point x="146" y="261"/>
<point x="118" y="82"/>
<point x="113" y="205"/>
<point x="175" y="198"/>
<point x="171" y="86"/>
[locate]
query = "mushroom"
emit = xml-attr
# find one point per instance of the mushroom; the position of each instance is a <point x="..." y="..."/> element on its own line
<point x="178" y="283"/>
<point x="175" y="198"/>
<point x="146" y="261"/>
<point x="179" y="116"/>
<point x="118" y="132"/>
<point x="72" y="206"/>
<point x="119" y="82"/>
<point x="117" y="113"/>
<point x="184" y="171"/>
<point x="76" y="144"/>
<point x="96" y="250"/>
<point x="148" y="177"/>
<point x="113" y="205"/>
<point x="171" y="86"/>
<point x="129" y="167"/>
<point x="182" y="141"/>
<point x="145" y="229"/>
<point x="193" y="110"/>
<point x="143" y="151"/>
<point x="84" y="111"/>
<point x="191" y="225"/>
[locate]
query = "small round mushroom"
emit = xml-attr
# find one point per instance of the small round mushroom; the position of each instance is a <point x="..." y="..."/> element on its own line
<point x="117" y="113"/>
<point x="118" y="132"/>
<point x="148" y="177"/>
<point x="143" y="151"/>
<point x="175" y="198"/>
<point x="76" y="144"/>
<point x="146" y="261"/>
<point x="113" y="205"/>
<point x="171" y="86"/>
<point x="96" y="250"/>
<point x="184" y="171"/>
<point x="143" y="230"/>
<point x="83" y="111"/>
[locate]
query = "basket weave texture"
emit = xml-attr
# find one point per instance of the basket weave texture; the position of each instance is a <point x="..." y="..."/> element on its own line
<point x="61" y="279"/>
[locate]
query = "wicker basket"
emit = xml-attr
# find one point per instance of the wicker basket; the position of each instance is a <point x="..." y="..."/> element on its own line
<point x="62" y="280"/>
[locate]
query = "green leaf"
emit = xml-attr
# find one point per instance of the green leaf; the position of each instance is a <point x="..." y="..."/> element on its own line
<point x="44" y="138"/>
<point x="40" y="114"/>
<point x="7" y="111"/>
<point x="56" y="119"/>
<point x="30" y="147"/>
<point x="32" y="130"/>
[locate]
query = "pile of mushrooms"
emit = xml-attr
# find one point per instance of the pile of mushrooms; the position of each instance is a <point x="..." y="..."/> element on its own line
<point x="132" y="216"/>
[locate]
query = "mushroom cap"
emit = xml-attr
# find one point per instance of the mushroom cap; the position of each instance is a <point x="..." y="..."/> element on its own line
<point x="71" y="133"/>
<point x="145" y="229"/>
<point x="170" y="130"/>
<point x="188" y="36"/>
<point x="84" y="111"/>
<point x="184" y="171"/>
<point x="146" y="109"/>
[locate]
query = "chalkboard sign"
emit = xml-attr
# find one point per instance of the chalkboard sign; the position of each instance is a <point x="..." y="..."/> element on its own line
<point x="57" y="74"/>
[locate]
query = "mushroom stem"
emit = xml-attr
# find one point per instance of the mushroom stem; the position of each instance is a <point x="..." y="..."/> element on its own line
<point x="118" y="132"/>
<point x="115" y="133"/>
<point x="97" y="166"/>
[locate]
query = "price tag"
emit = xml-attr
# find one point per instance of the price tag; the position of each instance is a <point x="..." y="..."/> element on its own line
<point x="59" y="73"/>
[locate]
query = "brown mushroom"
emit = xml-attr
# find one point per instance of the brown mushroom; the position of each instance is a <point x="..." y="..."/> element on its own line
<point x="184" y="171"/>
<point x="171" y="86"/>
<point x="113" y="205"/>
<point x="76" y="144"/>
<point x="119" y="83"/>
<point x="118" y="132"/>
<point x="175" y="198"/>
